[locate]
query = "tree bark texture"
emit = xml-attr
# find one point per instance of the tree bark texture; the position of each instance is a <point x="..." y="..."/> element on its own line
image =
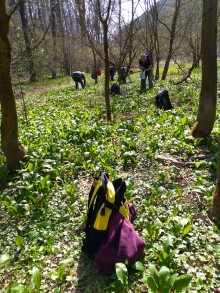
<point x="27" y="42"/>
<point x="60" y="20"/>
<point x="208" y="94"/>
<point x="172" y="37"/>
<point x="54" y="38"/>
<point x="155" y="16"/>
<point x="104" y="22"/>
<point x="107" y="99"/>
<point x="10" y="145"/>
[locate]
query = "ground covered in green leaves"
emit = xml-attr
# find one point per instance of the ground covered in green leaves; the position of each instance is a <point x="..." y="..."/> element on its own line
<point x="170" y="179"/>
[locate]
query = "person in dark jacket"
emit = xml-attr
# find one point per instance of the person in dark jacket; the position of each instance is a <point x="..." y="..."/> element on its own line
<point x="94" y="74"/>
<point x="79" y="77"/>
<point x="146" y="67"/>
<point x="112" y="72"/>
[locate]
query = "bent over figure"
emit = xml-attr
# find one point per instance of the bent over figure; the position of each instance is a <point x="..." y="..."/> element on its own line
<point x="79" y="77"/>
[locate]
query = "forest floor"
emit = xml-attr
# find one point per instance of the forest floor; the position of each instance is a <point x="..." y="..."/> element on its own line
<point x="170" y="178"/>
<point x="44" y="87"/>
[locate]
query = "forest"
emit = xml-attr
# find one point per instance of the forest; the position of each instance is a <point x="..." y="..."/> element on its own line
<point x="55" y="138"/>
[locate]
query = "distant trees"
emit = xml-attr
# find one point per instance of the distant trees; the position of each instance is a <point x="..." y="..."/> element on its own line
<point x="104" y="14"/>
<point x="172" y="33"/>
<point x="54" y="38"/>
<point x="156" y="42"/>
<point x="27" y="39"/>
<point x="124" y="45"/>
<point x="60" y="51"/>
<point x="116" y="45"/>
<point x="169" y="29"/>
<point x="87" y="10"/>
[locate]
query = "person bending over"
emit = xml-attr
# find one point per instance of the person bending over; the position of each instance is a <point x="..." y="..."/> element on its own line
<point x="79" y="77"/>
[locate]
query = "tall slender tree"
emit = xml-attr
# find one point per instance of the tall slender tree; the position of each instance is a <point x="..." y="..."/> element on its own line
<point x="155" y="16"/>
<point x="27" y="39"/>
<point x="10" y="145"/>
<point x="103" y="11"/>
<point x="62" y="37"/>
<point x="208" y="94"/>
<point x="123" y="47"/>
<point x="104" y="18"/>
<point x="54" y="37"/>
<point x="172" y="32"/>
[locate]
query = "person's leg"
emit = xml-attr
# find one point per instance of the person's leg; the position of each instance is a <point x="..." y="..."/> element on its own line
<point x="150" y="79"/>
<point x="82" y="84"/>
<point x="143" y="85"/>
<point x="76" y="85"/>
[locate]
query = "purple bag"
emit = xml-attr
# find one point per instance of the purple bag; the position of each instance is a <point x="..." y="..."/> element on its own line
<point x="109" y="233"/>
<point x="123" y="244"/>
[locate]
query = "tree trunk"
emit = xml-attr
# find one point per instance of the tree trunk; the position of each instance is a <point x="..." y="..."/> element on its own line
<point x="54" y="36"/>
<point x="104" y="22"/>
<point x="95" y="63"/>
<point x="12" y="149"/>
<point x="107" y="64"/>
<point x="27" y="42"/>
<point x="156" y="39"/>
<point x="208" y="94"/>
<point x="62" y="37"/>
<point x="172" y="37"/>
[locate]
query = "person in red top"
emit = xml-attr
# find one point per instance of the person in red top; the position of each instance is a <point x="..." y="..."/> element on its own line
<point x="146" y="67"/>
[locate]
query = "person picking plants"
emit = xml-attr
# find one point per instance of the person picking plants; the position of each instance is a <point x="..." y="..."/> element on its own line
<point x="79" y="77"/>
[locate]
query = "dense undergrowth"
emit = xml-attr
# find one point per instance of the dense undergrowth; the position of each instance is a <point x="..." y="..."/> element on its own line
<point x="170" y="178"/>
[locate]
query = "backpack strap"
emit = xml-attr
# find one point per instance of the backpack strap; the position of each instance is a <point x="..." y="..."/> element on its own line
<point x="124" y="210"/>
<point x="104" y="213"/>
<point x="96" y="185"/>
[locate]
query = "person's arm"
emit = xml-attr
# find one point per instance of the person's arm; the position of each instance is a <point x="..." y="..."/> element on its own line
<point x="141" y="65"/>
<point x="149" y="67"/>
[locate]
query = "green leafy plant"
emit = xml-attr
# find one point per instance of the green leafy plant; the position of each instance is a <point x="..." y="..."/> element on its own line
<point x="122" y="273"/>
<point x="166" y="250"/>
<point x="153" y="229"/>
<point x="19" y="240"/>
<point x="68" y="142"/>
<point x="165" y="280"/>
<point x="181" y="226"/>
<point x="36" y="277"/>
<point x="4" y="258"/>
